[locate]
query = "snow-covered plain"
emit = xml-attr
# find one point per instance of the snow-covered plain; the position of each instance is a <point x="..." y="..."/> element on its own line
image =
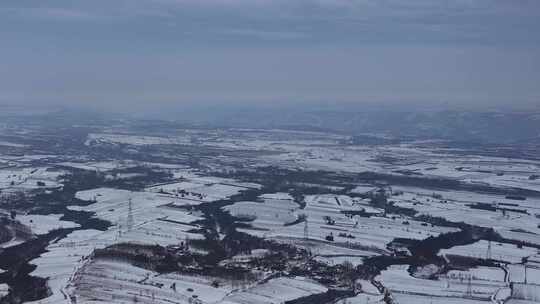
<point x="355" y="237"/>
<point x="160" y="214"/>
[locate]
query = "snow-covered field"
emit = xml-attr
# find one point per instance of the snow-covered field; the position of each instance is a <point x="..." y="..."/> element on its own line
<point x="41" y="224"/>
<point x="354" y="237"/>
<point x="203" y="192"/>
<point x="140" y="217"/>
<point x="137" y="217"/>
<point x="338" y="224"/>
<point x="279" y="290"/>
<point x="455" y="206"/>
<point x="198" y="188"/>
<point x="4" y="288"/>
<point x="97" y="166"/>
<point x="28" y="178"/>
<point x="101" y="138"/>
<point x="499" y="251"/>
<point x="64" y="258"/>
<point x="455" y="288"/>
<point x="103" y="280"/>
<point x="109" y="281"/>
<point x="273" y="213"/>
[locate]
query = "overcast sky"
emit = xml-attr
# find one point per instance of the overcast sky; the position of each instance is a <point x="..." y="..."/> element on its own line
<point x="174" y="52"/>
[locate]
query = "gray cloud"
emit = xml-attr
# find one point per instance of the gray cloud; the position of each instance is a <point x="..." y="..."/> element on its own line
<point x="171" y="51"/>
<point x="346" y="21"/>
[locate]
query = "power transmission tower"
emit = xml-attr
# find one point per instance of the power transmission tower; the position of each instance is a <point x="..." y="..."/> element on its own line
<point x="469" y="286"/>
<point x="130" y="215"/>
<point x="488" y="252"/>
<point x="119" y="235"/>
<point x="306" y="230"/>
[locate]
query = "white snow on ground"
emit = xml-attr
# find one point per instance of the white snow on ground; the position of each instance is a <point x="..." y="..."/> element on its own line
<point x="323" y="151"/>
<point x="34" y="224"/>
<point x="363" y="298"/>
<point x="517" y="273"/>
<point x="310" y="155"/>
<point x="121" y="176"/>
<point x="22" y="179"/>
<point x="152" y="219"/>
<point x="99" y="166"/>
<point x="64" y="258"/>
<point x="151" y="222"/>
<point x="335" y="259"/>
<point x="108" y="281"/>
<point x="104" y="281"/>
<point x="369" y="294"/>
<point x="4" y="289"/>
<point x="363" y="189"/>
<point x="11" y="144"/>
<point x="243" y="258"/>
<point x="527" y="292"/>
<point x="520" y="235"/>
<point x="42" y="224"/>
<point x="138" y="140"/>
<point x="11" y="243"/>
<point x="103" y="166"/>
<point x="455" y="206"/>
<point x="277" y="290"/>
<point x="24" y="160"/>
<point x="324" y="158"/>
<point x="368" y="287"/>
<point x="271" y="214"/>
<point x="449" y="289"/>
<point x="479" y="273"/>
<point x="517" y="301"/>
<point x="203" y="189"/>
<point x="499" y="251"/>
<point x="403" y="298"/>
<point x="373" y="232"/>
<point x="277" y="196"/>
<point x="355" y="237"/>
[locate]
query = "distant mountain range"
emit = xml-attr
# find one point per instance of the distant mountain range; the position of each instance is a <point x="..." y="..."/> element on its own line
<point x="484" y="127"/>
<point x="487" y="127"/>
